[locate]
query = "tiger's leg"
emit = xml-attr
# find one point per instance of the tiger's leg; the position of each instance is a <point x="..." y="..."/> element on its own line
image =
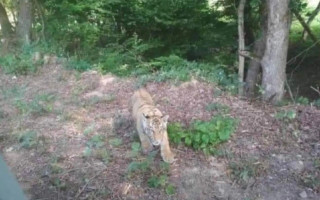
<point x="166" y="153"/>
<point x="145" y="142"/>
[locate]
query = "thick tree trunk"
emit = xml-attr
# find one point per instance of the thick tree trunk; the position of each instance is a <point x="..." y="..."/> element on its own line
<point x="311" y="18"/>
<point x="23" y="30"/>
<point x="275" y="56"/>
<point x="254" y="68"/>
<point x="6" y="27"/>
<point x="241" y="43"/>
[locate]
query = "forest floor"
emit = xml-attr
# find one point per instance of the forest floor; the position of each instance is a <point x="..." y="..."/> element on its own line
<point x="67" y="135"/>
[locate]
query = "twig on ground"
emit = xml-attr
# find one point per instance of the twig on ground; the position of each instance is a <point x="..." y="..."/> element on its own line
<point x="85" y="186"/>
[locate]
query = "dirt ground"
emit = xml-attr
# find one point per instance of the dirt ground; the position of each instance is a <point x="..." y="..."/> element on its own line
<point x="67" y="135"/>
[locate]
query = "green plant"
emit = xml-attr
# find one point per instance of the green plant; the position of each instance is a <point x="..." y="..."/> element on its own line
<point x="78" y="64"/>
<point x="286" y="115"/>
<point x="157" y="181"/>
<point x="203" y="135"/>
<point x="28" y="139"/>
<point x="302" y="101"/>
<point x="42" y="103"/>
<point x="115" y="142"/>
<point x="89" y="129"/>
<point x="103" y="155"/>
<point x="96" y="141"/>
<point x="20" y="62"/>
<point x="245" y="169"/>
<point x="170" y="189"/>
<point x="135" y="149"/>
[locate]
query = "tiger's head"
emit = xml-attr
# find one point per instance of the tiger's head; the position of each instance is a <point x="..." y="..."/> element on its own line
<point x="155" y="127"/>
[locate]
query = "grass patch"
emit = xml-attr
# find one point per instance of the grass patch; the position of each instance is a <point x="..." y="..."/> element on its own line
<point x="244" y="170"/>
<point x="28" y="139"/>
<point x="41" y="104"/>
<point x="203" y="135"/>
<point x="148" y="171"/>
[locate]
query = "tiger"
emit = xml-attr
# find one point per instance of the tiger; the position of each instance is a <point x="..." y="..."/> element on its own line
<point x="151" y="125"/>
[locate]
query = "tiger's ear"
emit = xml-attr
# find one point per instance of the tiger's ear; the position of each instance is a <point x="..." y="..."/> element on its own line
<point x="165" y="118"/>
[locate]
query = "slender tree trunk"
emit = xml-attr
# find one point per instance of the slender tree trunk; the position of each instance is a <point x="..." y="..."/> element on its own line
<point x="23" y="31"/>
<point x="241" y="43"/>
<point x="254" y="68"/>
<point x="311" y="18"/>
<point x="305" y="26"/>
<point x="6" y="27"/>
<point x="275" y="56"/>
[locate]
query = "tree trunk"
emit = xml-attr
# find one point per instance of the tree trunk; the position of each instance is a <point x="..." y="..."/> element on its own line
<point x="23" y="31"/>
<point x="275" y="56"/>
<point x="311" y="18"/>
<point x="6" y="27"/>
<point x="241" y="43"/>
<point x="254" y="68"/>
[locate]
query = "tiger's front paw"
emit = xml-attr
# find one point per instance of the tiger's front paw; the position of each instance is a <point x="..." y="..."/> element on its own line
<point x="168" y="157"/>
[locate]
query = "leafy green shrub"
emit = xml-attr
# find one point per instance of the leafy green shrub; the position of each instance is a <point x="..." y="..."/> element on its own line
<point x="286" y="115"/>
<point x="203" y="135"/>
<point x="157" y="181"/>
<point x="28" y="139"/>
<point x="77" y="64"/>
<point x="20" y="62"/>
<point x="302" y="101"/>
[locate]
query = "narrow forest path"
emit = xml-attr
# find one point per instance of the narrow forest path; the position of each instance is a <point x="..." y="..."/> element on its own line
<point x="67" y="135"/>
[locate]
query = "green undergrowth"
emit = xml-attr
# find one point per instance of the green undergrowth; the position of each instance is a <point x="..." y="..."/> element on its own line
<point x="149" y="171"/>
<point x="203" y="135"/>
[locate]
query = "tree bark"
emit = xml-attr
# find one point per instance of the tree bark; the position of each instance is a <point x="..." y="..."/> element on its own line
<point x="254" y="68"/>
<point x="311" y="18"/>
<point x="241" y="44"/>
<point x="275" y="56"/>
<point x="6" y="27"/>
<point x="23" y="31"/>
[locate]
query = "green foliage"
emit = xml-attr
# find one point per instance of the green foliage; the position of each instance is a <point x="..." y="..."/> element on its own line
<point x="302" y="101"/>
<point x="157" y="181"/>
<point x="20" y="62"/>
<point x="115" y="142"/>
<point x="96" y="141"/>
<point x="103" y="155"/>
<point x="170" y="189"/>
<point x="203" y="135"/>
<point x="176" y="69"/>
<point x="135" y="149"/>
<point x="28" y="139"/>
<point x="242" y="171"/>
<point x="286" y="115"/>
<point x="42" y="103"/>
<point x="79" y="65"/>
